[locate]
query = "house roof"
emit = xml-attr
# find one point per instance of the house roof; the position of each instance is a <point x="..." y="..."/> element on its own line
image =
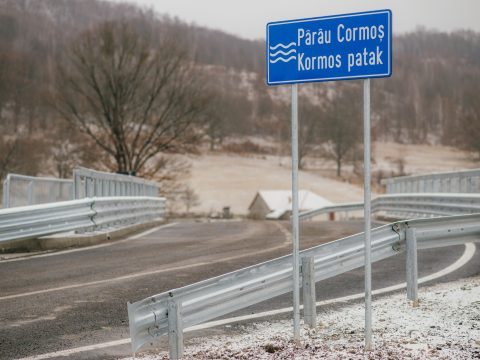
<point x="280" y="201"/>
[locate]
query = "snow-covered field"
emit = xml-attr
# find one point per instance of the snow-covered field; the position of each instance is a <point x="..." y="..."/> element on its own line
<point x="228" y="180"/>
<point x="232" y="180"/>
<point x="446" y="325"/>
<point x="421" y="159"/>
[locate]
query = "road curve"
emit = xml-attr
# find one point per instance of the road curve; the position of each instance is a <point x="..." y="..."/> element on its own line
<point x="74" y="299"/>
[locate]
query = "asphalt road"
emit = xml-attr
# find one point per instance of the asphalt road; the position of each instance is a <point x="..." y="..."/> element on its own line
<point x="77" y="298"/>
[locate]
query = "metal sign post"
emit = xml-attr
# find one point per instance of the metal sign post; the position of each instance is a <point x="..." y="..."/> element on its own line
<point x="295" y="221"/>
<point x="367" y="212"/>
<point x="330" y="48"/>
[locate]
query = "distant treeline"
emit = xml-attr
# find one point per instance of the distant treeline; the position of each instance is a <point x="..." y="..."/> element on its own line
<point x="431" y="97"/>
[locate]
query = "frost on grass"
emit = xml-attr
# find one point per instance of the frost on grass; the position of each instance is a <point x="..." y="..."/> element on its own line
<point x="446" y="325"/>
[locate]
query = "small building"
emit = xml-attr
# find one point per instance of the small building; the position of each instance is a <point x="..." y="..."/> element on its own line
<point x="277" y="204"/>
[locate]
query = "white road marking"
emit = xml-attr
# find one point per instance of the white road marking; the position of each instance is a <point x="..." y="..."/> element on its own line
<point x="140" y="274"/>
<point x="54" y="253"/>
<point x="100" y="282"/>
<point x="78" y="350"/>
<point x="148" y="232"/>
<point x="464" y="259"/>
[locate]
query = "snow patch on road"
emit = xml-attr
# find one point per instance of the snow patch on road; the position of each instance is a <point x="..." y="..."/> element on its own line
<point x="446" y="325"/>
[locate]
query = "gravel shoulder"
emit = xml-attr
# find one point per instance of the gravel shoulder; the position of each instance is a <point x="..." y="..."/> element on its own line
<point x="446" y="325"/>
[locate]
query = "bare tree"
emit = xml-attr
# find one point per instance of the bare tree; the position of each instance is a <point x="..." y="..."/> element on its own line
<point x="341" y="127"/>
<point x="21" y="154"/>
<point x="215" y="118"/>
<point x="189" y="198"/>
<point x="229" y="110"/>
<point x="310" y="116"/>
<point x="70" y="148"/>
<point x="469" y="138"/>
<point x="134" y="99"/>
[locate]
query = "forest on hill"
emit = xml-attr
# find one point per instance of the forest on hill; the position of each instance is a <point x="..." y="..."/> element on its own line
<point x="432" y="96"/>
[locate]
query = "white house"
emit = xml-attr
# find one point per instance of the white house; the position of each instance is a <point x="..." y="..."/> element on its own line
<point x="277" y="204"/>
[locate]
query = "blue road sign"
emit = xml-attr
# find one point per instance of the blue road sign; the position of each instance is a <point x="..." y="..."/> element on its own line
<point x="340" y="47"/>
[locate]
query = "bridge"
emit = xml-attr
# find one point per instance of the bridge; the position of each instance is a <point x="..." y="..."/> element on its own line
<point x="72" y="302"/>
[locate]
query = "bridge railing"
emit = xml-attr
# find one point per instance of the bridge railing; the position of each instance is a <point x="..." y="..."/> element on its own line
<point x="21" y="190"/>
<point x="465" y="181"/>
<point x="90" y="183"/>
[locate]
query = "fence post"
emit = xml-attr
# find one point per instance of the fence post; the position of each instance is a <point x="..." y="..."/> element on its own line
<point x="96" y="187"/>
<point x="6" y="192"/>
<point x="30" y="192"/>
<point x="469" y="184"/>
<point x="88" y="187"/>
<point x="76" y="185"/>
<point x="412" y="270"/>
<point x="175" y="330"/>
<point x="309" y="296"/>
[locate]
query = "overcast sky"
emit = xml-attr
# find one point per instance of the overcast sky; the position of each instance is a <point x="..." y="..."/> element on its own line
<point x="247" y="18"/>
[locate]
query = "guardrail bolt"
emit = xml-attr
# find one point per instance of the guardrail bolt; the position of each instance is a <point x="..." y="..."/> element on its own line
<point x="396" y="228"/>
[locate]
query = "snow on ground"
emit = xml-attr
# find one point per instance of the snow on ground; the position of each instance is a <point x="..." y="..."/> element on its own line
<point x="446" y="325"/>
<point x="421" y="159"/>
<point x="229" y="180"/>
<point x="232" y="180"/>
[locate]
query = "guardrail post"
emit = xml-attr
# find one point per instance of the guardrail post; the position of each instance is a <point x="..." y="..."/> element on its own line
<point x="412" y="270"/>
<point x="309" y="296"/>
<point x="175" y="330"/>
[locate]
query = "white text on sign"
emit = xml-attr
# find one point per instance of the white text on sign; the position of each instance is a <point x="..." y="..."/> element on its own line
<point x="343" y="34"/>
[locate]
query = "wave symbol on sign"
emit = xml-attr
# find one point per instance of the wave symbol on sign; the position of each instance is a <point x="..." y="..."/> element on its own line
<point x="283" y="53"/>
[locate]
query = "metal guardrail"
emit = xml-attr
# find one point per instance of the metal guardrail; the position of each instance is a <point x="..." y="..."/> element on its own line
<point x="21" y="190"/>
<point x="410" y="205"/>
<point x="465" y="181"/>
<point x="428" y="205"/>
<point x="346" y="207"/>
<point x="85" y="214"/>
<point x="92" y="183"/>
<point x="171" y="311"/>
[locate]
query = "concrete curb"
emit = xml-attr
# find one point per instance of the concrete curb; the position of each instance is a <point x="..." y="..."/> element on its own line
<point x="69" y="240"/>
